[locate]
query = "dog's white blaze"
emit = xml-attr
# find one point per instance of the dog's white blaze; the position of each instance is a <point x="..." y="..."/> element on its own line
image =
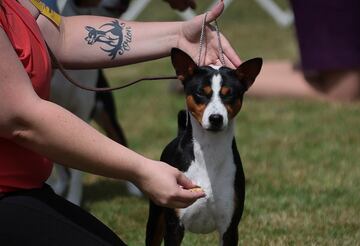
<point x="213" y="169"/>
<point x="215" y="67"/>
<point x="215" y="106"/>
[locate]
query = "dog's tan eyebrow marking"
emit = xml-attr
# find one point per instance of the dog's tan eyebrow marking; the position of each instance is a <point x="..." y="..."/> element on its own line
<point x="234" y="108"/>
<point x="207" y="90"/>
<point x="197" y="110"/>
<point x="225" y="90"/>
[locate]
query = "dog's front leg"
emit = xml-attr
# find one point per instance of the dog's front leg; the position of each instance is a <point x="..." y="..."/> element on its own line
<point x="155" y="228"/>
<point x="174" y="232"/>
<point x="230" y="237"/>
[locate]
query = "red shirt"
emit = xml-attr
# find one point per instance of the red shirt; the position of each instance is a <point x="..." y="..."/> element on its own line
<point x="21" y="168"/>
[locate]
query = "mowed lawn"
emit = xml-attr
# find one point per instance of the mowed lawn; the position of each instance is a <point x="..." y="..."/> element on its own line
<point x="301" y="158"/>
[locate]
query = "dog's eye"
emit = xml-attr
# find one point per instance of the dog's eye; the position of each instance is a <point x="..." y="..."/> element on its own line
<point x="204" y="92"/>
<point x="200" y="93"/>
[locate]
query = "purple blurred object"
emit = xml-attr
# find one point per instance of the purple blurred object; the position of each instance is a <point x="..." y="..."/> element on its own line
<point x="328" y="33"/>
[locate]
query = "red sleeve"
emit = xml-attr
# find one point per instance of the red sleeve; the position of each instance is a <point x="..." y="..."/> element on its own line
<point x="1" y="16"/>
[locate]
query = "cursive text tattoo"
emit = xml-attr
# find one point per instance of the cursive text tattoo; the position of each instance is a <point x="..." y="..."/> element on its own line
<point x="114" y="36"/>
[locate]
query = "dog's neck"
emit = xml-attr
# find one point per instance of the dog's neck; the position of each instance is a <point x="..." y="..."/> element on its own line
<point x="212" y="150"/>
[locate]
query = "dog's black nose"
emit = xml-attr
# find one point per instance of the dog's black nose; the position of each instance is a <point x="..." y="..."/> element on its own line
<point x="216" y="120"/>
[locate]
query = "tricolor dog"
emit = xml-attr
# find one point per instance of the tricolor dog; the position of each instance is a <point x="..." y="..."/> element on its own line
<point x="205" y="150"/>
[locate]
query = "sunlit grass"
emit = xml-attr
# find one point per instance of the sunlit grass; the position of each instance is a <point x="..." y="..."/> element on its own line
<point x="301" y="158"/>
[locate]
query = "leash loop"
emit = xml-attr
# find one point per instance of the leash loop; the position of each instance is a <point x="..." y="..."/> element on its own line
<point x="202" y="40"/>
<point x="221" y="50"/>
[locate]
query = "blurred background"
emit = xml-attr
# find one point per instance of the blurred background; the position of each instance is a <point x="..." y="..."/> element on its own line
<point x="300" y="153"/>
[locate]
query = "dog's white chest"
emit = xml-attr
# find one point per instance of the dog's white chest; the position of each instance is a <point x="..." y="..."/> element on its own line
<point x="214" y="171"/>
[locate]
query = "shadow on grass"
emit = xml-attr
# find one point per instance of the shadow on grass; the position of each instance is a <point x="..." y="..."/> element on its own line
<point x="105" y="189"/>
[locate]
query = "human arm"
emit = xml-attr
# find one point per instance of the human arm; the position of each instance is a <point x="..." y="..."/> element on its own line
<point x="149" y="40"/>
<point x="53" y="132"/>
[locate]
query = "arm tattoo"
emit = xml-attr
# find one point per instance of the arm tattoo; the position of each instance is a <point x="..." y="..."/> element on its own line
<point x="115" y="37"/>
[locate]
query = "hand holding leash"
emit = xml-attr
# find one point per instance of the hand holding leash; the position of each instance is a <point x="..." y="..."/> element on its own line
<point x="190" y="38"/>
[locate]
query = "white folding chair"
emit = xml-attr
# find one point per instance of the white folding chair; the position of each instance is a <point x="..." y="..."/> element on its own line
<point x="283" y="18"/>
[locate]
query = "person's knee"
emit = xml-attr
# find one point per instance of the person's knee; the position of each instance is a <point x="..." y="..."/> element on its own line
<point x="341" y="85"/>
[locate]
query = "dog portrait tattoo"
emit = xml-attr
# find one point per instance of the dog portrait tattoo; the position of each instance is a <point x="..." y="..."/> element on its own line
<point x="114" y="37"/>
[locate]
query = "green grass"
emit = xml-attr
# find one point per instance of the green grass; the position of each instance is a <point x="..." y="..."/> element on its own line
<point x="301" y="158"/>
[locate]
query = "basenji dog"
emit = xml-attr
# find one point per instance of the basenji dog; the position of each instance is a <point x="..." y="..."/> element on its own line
<point x="205" y="150"/>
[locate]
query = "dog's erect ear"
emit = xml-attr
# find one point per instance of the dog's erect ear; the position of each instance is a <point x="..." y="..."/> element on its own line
<point x="248" y="71"/>
<point x="183" y="64"/>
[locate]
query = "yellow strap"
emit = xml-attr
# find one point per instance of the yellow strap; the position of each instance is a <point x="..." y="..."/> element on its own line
<point x="48" y="12"/>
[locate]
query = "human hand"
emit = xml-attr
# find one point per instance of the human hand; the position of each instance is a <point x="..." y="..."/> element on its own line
<point x="190" y="36"/>
<point x="167" y="186"/>
<point x="181" y="4"/>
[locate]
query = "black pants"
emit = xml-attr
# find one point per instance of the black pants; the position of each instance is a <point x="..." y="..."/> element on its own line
<point x="40" y="217"/>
